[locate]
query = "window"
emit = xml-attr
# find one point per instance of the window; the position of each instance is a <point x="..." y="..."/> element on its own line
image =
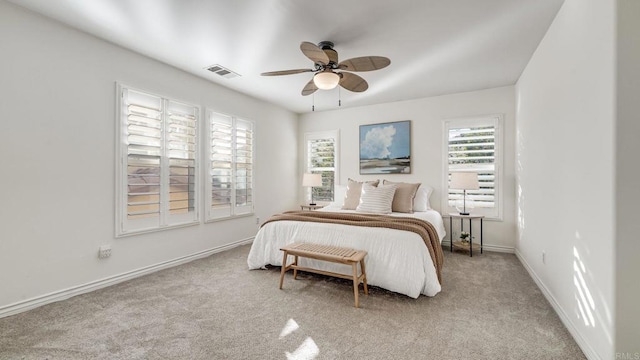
<point x="230" y="169"/>
<point x="157" y="157"/>
<point x="321" y="154"/>
<point x="474" y="145"/>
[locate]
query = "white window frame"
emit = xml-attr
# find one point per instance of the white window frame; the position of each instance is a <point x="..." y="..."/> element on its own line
<point x="233" y="211"/>
<point x="496" y="120"/>
<point x="125" y="226"/>
<point x="334" y="134"/>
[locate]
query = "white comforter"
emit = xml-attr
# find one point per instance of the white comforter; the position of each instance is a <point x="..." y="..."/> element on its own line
<point x="397" y="260"/>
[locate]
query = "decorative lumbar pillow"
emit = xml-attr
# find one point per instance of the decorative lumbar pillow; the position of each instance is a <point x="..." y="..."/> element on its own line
<point x="403" y="198"/>
<point x="352" y="198"/>
<point x="421" y="201"/>
<point x="376" y="199"/>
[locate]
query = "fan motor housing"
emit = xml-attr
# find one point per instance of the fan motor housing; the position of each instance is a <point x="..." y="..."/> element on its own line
<point x="327" y="47"/>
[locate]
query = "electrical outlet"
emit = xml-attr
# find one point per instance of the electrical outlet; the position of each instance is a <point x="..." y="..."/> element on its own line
<point x="257" y="221"/>
<point x="544" y="257"/>
<point x="104" y="251"/>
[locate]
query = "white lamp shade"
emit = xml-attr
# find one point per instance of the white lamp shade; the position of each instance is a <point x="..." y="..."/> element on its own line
<point x="326" y="80"/>
<point x="464" y="181"/>
<point x="311" y="180"/>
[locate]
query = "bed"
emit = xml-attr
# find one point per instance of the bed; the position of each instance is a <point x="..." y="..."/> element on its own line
<point x="397" y="260"/>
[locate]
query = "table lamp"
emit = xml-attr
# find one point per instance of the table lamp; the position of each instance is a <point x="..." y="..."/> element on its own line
<point x="464" y="181"/>
<point x="311" y="180"/>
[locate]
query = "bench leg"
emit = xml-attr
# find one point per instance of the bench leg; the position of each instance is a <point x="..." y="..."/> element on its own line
<point x="284" y="268"/>
<point x="364" y="277"/>
<point x="295" y="271"/>
<point x="356" y="282"/>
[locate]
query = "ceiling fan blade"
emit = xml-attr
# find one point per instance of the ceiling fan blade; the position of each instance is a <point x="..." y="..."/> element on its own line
<point x="365" y="63"/>
<point x="313" y="52"/>
<point x="310" y="88"/>
<point x="286" y="72"/>
<point x="353" y="82"/>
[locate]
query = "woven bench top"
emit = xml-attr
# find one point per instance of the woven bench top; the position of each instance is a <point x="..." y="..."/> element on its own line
<point x="328" y="250"/>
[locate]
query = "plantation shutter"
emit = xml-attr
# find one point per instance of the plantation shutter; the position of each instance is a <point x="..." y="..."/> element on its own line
<point x="159" y="142"/>
<point x="473" y="149"/>
<point x="181" y="144"/>
<point x="144" y="153"/>
<point x="243" y="140"/>
<point x="221" y="173"/>
<point x="321" y="154"/>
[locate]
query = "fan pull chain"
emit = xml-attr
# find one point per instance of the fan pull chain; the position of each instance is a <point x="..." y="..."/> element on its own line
<point x="313" y="102"/>
<point x="339" y="97"/>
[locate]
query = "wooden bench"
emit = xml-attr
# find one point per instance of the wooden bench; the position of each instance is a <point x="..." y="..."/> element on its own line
<point x="327" y="253"/>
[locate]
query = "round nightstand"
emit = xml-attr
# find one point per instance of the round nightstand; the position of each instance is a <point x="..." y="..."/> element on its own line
<point x="458" y="244"/>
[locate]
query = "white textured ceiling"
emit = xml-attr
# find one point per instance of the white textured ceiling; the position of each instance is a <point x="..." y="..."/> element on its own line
<point x="436" y="46"/>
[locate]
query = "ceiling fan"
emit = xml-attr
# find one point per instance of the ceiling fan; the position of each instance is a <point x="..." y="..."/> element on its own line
<point x="329" y="73"/>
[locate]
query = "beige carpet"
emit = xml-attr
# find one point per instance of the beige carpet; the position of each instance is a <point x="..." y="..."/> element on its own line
<point x="214" y="308"/>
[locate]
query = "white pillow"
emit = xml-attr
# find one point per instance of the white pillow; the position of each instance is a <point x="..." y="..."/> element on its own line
<point x="421" y="201"/>
<point x="376" y="200"/>
<point x="340" y="192"/>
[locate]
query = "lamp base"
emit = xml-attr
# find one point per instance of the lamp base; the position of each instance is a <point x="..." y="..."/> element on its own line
<point x="464" y="213"/>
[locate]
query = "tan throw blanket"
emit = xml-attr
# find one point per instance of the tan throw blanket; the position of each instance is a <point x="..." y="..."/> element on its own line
<point x="420" y="227"/>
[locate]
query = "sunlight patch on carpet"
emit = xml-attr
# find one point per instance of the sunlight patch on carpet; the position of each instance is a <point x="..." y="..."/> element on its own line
<point x="290" y="327"/>
<point x="307" y="351"/>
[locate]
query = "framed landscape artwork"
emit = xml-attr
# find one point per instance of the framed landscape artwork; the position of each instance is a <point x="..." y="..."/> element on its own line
<point x="385" y="148"/>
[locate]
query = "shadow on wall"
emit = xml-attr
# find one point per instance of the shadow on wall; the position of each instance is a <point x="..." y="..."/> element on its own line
<point x="519" y="196"/>
<point x="591" y="311"/>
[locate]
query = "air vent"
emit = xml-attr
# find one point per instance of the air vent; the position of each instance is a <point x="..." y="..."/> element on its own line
<point x="222" y="71"/>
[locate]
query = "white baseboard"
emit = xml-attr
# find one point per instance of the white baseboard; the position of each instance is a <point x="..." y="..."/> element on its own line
<point x="566" y="320"/>
<point x="38" y="301"/>
<point x="486" y="247"/>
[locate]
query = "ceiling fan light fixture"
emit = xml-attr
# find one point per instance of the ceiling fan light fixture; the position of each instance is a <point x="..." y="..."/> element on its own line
<point x="326" y="80"/>
<point x="325" y="61"/>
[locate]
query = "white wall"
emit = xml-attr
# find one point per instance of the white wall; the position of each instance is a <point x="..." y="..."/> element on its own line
<point x="565" y="170"/>
<point x="58" y="141"/>
<point x="427" y="116"/>
<point x="627" y="175"/>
